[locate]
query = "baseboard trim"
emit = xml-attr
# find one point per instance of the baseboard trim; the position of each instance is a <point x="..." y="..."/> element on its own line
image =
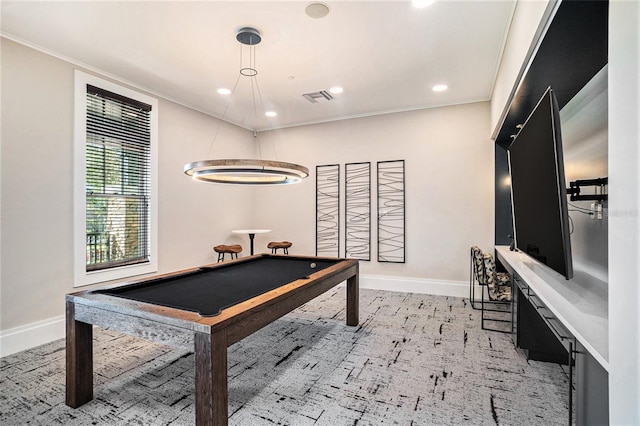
<point x="31" y="335"/>
<point x="41" y="332"/>
<point x="416" y="285"/>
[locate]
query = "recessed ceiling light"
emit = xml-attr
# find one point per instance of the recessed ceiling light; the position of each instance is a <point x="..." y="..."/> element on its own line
<point x="317" y="10"/>
<point x="420" y="4"/>
<point x="439" y="88"/>
<point x="336" y="90"/>
<point x="224" y="91"/>
<point x="271" y="113"/>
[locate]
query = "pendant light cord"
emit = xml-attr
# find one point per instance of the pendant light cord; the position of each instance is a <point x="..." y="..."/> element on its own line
<point x="246" y="171"/>
<point x="255" y="90"/>
<point x="224" y="113"/>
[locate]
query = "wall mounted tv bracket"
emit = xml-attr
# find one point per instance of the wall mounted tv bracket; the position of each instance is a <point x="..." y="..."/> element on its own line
<point x="574" y="189"/>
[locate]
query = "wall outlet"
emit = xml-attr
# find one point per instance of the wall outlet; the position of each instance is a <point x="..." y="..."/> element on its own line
<point x="596" y="210"/>
<point x="599" y="210"/>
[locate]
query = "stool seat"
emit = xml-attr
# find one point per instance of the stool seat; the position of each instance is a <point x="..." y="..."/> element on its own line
<point x="222" y="249"/>
<point x="275" y="245"/>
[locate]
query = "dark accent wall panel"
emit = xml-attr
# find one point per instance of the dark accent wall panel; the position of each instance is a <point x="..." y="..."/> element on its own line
<point x="573" y="50"/>
<point x="503" y="212"/>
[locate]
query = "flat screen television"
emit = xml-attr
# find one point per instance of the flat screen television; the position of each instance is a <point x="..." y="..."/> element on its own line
<point x="538" y="188"/>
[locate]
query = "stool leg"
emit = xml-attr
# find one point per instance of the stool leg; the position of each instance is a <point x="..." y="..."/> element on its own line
<point x="286" y="251"/>
<point x="220" y="257"/>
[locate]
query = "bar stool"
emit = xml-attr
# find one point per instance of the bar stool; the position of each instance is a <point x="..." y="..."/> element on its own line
<point x="476" y="274"/>
<point x="498" y="285"/>
<point x="275" y="245"/>
<point x="232" y="250"/>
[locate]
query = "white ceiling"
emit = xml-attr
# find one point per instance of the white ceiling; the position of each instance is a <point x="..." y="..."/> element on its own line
<point x="386" y="55"/>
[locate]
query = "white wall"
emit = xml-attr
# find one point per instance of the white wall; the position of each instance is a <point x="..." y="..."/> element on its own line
<point x="195" y="216"/>
<point x="448" y="174"/>
<point x="584" y="124"/>
<point x="449" y="189"/>
<point x="37" y="208"/>
<point x="624" y="212"/>
<point x="36" y="175"/>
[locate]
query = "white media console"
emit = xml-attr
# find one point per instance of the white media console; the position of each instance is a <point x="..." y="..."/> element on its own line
<point x="559" y="320"/>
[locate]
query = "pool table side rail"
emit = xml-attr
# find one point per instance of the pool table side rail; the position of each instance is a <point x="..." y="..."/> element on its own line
<point x="207" y="267"/>
<point x="159" y="332"/>
<point x="192" y="321"/>
<point x="178" y="318"/>
<point x="247" y="317"/>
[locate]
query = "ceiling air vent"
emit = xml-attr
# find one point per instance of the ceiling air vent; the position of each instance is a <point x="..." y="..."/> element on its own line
<point x="314" y="96"/>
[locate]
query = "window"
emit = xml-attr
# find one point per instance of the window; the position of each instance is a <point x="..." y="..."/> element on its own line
<point x="115" y="191"/>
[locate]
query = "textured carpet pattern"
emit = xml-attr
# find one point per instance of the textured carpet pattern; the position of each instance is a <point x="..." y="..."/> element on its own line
<point x="414" y="360"/>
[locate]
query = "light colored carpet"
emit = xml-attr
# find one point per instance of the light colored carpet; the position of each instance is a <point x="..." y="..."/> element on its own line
<point x="414" y="360"/>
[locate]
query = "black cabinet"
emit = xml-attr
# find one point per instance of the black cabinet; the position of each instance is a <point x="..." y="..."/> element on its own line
<point x="541" y="336"/>
<point x="534" y="334"/>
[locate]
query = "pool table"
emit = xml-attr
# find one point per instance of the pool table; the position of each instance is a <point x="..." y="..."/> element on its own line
<point x="206" y="309"/>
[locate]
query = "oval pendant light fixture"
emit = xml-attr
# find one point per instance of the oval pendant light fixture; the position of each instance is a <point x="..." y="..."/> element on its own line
<point x="246" y="172"/>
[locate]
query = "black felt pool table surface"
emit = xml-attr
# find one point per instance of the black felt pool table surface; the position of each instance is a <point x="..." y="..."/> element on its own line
<point x="210" y="290"/>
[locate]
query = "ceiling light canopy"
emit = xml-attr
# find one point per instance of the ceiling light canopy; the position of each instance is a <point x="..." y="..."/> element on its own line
<point x="246" y="171"/>
<point x="439" y="88"/>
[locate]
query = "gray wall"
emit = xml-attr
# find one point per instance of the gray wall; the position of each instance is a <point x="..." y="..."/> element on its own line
<point x="449" y="164"/>
<point x="624" y="212"/>
<point x="37" y="186"/>
<point x="448" y="175"/>
<point x="584" y="124"/>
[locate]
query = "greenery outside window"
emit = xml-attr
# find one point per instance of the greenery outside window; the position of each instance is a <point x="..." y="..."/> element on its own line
<point x="115" y="181"/>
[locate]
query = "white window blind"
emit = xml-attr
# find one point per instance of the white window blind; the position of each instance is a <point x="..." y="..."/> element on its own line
<point x="118" y="180"/>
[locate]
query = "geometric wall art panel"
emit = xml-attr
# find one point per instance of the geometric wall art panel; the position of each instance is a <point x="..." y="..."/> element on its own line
<point x="357" y="209"/>
<point x="391" y="211"/>
<point x="328" y="210"/>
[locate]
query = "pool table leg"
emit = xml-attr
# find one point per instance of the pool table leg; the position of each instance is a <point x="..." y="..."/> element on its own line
<point x="353" y="300"/>
<point x="211" y="378"/>
<point x="79" y="348"/>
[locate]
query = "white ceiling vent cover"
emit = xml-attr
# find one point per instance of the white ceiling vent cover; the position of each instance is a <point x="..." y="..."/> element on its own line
<point x="314" y="96"/>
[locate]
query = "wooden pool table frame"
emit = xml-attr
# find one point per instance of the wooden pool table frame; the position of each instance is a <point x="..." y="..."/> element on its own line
<point x="208" y="336"/>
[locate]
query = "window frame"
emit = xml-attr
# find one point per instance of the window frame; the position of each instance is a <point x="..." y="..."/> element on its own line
<point x="83" y="277"/>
